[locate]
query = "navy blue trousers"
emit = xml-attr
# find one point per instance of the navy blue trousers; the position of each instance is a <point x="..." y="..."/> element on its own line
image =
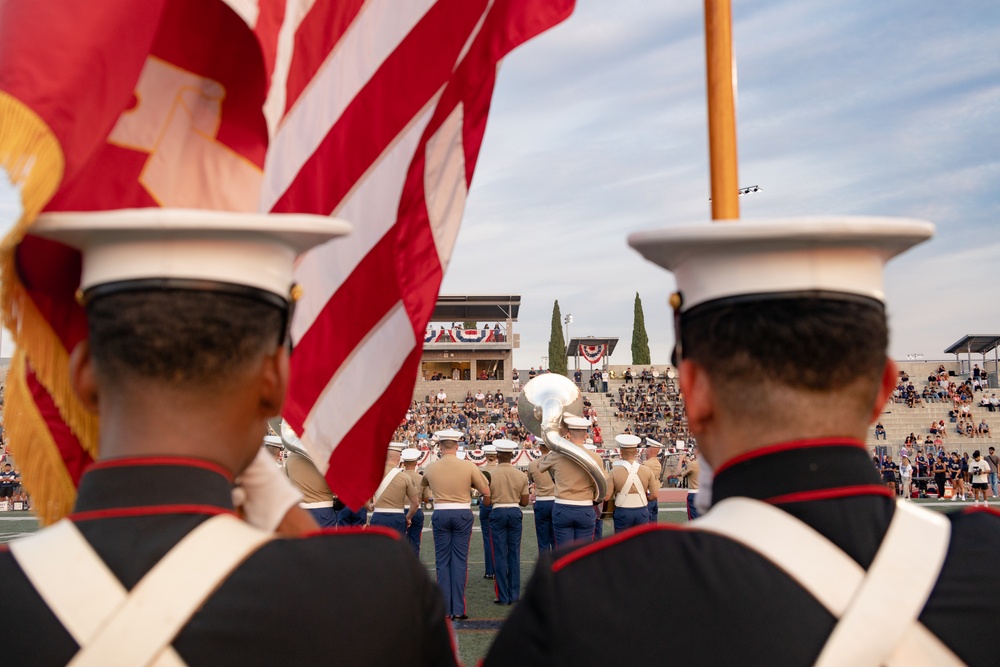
<point x="415" y="531"/>
<point x="572" y="523"/>
<point x="324" y="516"/>
<point x="484" y="523"/>
<point x="452" y="535"/>
<point x="626" y="517"/>
<point x="654" y="511"/>
<point x="389" y="520"/>
<point x="543" y="525"/>
<point x="347" y="517"/>
<point x="505" y="534"/>
<point x="598" y="523"/>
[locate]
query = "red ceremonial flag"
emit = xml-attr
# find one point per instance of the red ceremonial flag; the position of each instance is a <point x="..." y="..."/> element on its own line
<point x="372" y="111"/>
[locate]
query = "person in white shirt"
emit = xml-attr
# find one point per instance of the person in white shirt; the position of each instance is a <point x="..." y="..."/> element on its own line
<point x="979" y="469"/>
<point x="905" y="475"/>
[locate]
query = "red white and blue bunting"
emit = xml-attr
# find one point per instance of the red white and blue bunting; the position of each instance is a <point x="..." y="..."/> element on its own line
<point x="593" y="353"/>
<point x="471" y="335"/>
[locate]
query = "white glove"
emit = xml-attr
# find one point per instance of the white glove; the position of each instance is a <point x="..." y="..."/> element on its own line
<point x="264" y="493"/>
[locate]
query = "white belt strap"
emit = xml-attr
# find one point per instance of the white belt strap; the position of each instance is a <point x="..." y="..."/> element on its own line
<point x="503" y="506"/>
<point x="136" y="627"/>
<point x="632" y="481"/>
<point x="857" y="598"/>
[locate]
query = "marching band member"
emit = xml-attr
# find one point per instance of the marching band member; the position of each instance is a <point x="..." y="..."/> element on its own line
<point x="508" y="494"/>
<point x="415" y="530"/>
<point x="484" y="514"/>
<point x="545" y="498"/>
<point x="574" y="509"/>
<point x="451" y="480"/>
<point x="632" y="485"/>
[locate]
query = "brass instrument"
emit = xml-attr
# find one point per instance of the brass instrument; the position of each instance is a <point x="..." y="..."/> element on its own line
<point x="541" y="405"/>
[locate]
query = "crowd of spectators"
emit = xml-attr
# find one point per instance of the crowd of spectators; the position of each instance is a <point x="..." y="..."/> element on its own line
<point x="652" y="408"/>
<point x="941" y="388"/>
<point x="481" y="416"/>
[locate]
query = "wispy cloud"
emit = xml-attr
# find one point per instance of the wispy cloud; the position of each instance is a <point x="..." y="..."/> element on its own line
<point x="598" y="128"/>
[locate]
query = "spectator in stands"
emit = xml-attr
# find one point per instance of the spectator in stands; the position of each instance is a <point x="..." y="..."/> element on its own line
<point x="905" y="476"/>
<point x="578" y="377"/>
<point x="531" y="374"/>
<point x="880" y="431"/>
<point x="516" y="380"/>
<point x="940" y="471"/>
<point x="889" y="469"/>
<point x="498" y="397"/>
<point x="441" y="396"/>
<point x="994" y="461"/>
<point x="955" y="475"/>
<point x="984" y="429"/>
<point x="605" y="378"/>
<point x="480" y="396"/>
<point x="628" y="376"/>
<point x="979" y="470"/>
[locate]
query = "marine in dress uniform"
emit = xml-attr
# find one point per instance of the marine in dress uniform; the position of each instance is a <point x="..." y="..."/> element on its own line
<point x="631" y="485"/>
<point x="415" y="530"/>
<point x="508" y="494"/>
<point x="804" y="557"/>
<point x="489" y="570"/>
<point x="451" y="480"/>
<point x="317" y="499"/>
<point x="653" y="463"/>
<point x="689" y="469"/>
<point x="545" y="499"/>
<point x="184" y="333"/>
<point x="396" y="500"/>
<point x="573" y="511"/>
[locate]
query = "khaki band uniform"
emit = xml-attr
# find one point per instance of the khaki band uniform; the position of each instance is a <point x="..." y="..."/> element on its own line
<point x="545" y="498"/>
<point x="508" y="486"/>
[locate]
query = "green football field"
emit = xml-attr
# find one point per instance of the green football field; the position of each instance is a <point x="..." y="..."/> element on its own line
<point x="475" y="635"/>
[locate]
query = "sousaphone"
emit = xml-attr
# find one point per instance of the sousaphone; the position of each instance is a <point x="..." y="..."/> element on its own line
<point x="541" y="405"/>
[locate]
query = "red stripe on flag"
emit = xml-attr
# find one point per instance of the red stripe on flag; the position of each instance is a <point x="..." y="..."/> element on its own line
<point x="383" y="108"/>
<point x="343" y="323"/>
<point x="269" y="20"/>
<point x="316" y="37"/>
<point x="72" y="452"/>
<point x="356" y="466"/>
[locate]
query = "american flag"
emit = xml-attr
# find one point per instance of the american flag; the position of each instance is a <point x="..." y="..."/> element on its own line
<point x="379" y="122"/>
<point x="368" y="110"/>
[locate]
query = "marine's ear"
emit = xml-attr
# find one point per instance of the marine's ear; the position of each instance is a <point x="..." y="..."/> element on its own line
<point x="274" y="381"/>
<point x="887" y="384"/>
<point x="699" y="395"/>
<point x="82" y="377"/>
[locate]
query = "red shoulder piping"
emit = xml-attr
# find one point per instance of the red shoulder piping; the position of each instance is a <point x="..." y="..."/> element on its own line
<point x="827" y="494"/>
<point x="148" y="510"/>
<point x="582" y="552"/>
<point x="786" y="446"/>
<point x="131" y="461"/>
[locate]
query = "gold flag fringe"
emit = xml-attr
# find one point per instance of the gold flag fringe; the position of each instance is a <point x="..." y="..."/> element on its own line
<point x="31" y="156"/>
<point x="43" y="472"/>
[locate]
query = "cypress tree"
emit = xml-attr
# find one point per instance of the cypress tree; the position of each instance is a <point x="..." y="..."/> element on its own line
<point x="640" y="341"/>
<point x="557" y="343"/>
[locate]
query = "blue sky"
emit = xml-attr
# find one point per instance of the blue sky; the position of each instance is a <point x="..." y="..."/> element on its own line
<point x="855" y="107"/>
<point x="599" y="129"/>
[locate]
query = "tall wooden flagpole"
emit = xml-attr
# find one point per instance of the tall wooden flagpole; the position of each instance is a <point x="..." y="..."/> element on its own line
<point x="721" y="110"/>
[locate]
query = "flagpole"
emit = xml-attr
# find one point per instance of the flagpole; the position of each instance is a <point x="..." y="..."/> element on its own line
<point x="721" y="110"/>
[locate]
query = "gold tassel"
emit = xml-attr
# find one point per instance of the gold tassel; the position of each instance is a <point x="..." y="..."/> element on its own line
<point x="31" y="156"/>
<point x="43" y="472"/>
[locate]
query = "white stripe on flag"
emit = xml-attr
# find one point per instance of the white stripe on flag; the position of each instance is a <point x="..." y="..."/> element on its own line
<point x="358" y="384"/>
<point x="445" y="189"/>
<point x="372" y="37"/>
<point x="277" y="93"/>
<point x="372" y="208"/>
<point x="248" y="10"/>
